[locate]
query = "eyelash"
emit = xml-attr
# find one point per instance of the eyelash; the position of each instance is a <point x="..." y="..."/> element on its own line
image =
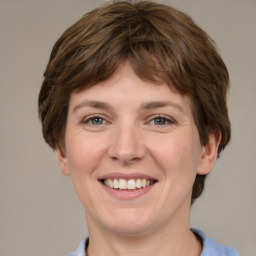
<point x="90" y="119"/>
<point x="164" y="120"/>
<point x="167" y="120"/>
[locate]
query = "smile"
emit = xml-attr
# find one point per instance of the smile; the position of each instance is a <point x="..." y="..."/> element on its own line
<point x="131" y="184"/>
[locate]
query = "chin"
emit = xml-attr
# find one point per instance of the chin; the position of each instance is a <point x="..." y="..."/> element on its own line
<point x="128" y="229"/>
<point x="129" y="222"/>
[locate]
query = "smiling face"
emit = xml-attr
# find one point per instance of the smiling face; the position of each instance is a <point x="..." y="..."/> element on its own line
<point x="133" y="151"/>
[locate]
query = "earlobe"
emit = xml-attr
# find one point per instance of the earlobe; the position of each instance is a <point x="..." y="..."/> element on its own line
<point x="63" y="162"/>
<point x="209" y="154"/>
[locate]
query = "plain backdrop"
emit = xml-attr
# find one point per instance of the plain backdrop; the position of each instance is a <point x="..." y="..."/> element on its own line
<point x="40" y="213"/>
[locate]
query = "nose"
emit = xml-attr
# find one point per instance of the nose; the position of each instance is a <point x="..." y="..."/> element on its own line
<point x="127" y="144"/>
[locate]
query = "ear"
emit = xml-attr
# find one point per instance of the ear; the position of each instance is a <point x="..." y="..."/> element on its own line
<point x="62" y="158"/>
<point x="209" y="154"/>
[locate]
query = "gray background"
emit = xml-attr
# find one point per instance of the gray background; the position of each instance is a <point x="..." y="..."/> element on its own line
<point x="40" y="214"/>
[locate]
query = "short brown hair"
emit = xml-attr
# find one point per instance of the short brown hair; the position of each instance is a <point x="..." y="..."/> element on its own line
<point x="161" y="43"/>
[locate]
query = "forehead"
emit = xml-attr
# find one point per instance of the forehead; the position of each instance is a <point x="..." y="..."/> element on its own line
<point x="125" y="88"/>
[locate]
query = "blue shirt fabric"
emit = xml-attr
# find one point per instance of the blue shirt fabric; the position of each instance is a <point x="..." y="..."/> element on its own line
<point x="210" y="247"/>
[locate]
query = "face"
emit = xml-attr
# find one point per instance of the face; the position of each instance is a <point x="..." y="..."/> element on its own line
<point x="133" y="151"/>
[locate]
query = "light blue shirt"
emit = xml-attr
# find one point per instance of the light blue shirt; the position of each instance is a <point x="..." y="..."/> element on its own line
<point x="210" y="248"/>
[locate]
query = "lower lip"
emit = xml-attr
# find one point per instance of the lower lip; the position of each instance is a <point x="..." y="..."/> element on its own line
<point x="127" y="194"/>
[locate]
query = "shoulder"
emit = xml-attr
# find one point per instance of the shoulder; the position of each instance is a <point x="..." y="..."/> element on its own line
<point x="211" y="248"/>
<point x="81" y="248"/>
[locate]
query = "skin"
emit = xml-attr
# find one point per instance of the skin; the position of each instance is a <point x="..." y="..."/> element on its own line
<point x="126" y="126"/>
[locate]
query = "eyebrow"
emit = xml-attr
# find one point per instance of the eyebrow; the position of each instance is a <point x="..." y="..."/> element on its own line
<point x="161" y="104"/>
<point x="93" y="104"/>
<point x="144" y="106"/>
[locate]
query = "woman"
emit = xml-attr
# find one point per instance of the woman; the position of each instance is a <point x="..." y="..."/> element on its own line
<point x="134" y="103"/>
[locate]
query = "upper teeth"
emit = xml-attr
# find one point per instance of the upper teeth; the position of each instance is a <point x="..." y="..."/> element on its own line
<point x="127" y="184"/>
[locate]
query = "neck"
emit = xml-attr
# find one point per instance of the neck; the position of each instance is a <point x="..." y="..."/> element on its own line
<point x="175" y="240"/>
<point x="143" y="246"/>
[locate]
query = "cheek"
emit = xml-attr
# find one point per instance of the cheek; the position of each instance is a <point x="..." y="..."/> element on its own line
<point x="178" y="156"/>
<point x="83" y="154"/>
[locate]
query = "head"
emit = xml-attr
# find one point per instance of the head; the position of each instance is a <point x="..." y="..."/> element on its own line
<point x="162" y="45"/>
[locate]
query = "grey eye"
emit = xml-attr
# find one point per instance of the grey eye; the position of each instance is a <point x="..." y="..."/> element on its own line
<point x="96" y="120"/>
<point x="160" y="121"/>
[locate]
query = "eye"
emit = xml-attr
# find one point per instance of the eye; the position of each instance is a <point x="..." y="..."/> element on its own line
<point x="94" y="120"/>
<point x="161" y="120"/>
<point x="96" y="123"/>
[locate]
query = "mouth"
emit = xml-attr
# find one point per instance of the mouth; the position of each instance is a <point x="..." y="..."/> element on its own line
<point x="127" y="184"/>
